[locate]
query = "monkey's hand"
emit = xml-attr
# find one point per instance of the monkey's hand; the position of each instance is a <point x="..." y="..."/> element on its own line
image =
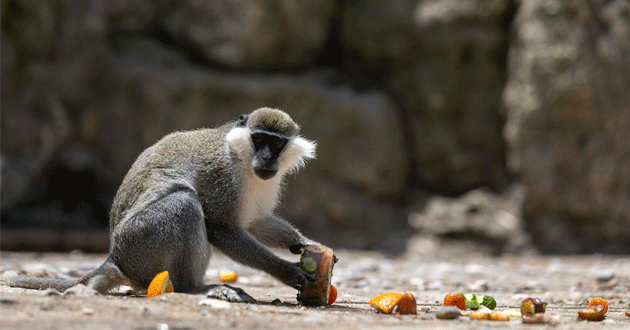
<point x="299" y="248"/>
<point x="294" y="276"/>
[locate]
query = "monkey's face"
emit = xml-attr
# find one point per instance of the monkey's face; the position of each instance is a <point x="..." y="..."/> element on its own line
<point x="267" y="149"/>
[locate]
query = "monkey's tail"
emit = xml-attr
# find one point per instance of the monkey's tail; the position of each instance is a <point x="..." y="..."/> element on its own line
<point x="14" y="280"/>
<point x="102" y="279"/>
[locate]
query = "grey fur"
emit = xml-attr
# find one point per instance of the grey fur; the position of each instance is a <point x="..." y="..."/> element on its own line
<point x="187" y="193"/>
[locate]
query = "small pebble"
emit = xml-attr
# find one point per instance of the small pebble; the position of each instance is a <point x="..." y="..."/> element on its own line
<point x="7" y="301"/>
<point x="604" y="275"/>
<point x="313" y="319"/>
<point x="479" y="286"/>
<point x="447" y="312"/>
<point x="204" y="312"/>
<point x="162" y="326"/>
<point x="80" y="290"/>
<point x="215" y="303"/>
<point x="619" y="289"/>
<point x="435" y="285"/>
<point x="144" y="311"/>
<point x="88" y="311"/>
<point x="50" y="292"/>
<point x="46" y="306"/>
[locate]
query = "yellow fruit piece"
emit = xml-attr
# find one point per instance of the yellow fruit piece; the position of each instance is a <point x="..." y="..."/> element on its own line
<point x="228" y="276"/>
<point x="386" y="302"/>
<point x="513" y="313"/>
<point x="160" y="284"/>
<point x="479" y="316"/>
<point x="496" y="316"/>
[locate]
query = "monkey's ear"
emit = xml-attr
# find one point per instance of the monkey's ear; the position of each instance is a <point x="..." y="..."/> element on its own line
<point x="242" y="120"/>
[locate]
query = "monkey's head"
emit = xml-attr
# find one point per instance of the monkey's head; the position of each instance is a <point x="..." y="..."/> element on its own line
<point x="267" y="140"/>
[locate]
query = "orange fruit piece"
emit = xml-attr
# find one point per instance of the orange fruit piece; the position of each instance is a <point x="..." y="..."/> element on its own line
<point x="455" y="299"/>
<point x="407" y="304"/>
<point x="386" y="302"/>
<point x="228" y="276"/>
<point x="595" y="313"/>
<point x="527" y="307"/>
<point x="160" y="284"/>
<point x="332" y="295"/>
<point x="599" y="301"/>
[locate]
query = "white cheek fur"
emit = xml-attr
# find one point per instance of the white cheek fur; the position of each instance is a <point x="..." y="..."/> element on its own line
<point x="240" y="143"/>
<point x="297" y="152"/>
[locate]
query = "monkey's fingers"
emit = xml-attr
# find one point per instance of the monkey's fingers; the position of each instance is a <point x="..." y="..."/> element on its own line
<point x="297" y="249"/>
<point x="306" y="274"/>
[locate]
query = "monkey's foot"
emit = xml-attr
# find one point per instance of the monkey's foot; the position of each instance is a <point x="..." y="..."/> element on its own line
<point x="230" y="293"/>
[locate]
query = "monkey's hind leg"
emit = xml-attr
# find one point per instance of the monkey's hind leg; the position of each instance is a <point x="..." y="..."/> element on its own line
<point x="166" y="234"/>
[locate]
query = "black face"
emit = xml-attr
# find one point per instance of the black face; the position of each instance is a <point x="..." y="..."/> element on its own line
<point x="267" y="149"/>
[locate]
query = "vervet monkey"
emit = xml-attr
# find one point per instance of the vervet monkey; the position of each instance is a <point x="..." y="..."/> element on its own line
<point x="194" y="190"/>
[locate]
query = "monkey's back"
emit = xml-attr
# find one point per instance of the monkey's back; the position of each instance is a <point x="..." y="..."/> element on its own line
<point x="197" y="159"/>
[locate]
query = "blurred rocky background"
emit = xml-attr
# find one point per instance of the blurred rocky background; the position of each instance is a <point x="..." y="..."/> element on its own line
<point x="503" y="124"/>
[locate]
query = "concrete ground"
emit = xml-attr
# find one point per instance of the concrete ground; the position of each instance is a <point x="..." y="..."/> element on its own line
<point x="565" y="282"/>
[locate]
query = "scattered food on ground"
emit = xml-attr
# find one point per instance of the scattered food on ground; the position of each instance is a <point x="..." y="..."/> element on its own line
<point x="402" y="303"/>
<point x="228" y="276"/>
<point x="319" y="261"/>
<point x="598" y="301"/>
<point x="160" y="284"/>
<point x="455" y="299"/>
<point x="531" y="306"/>
<point x="473" y="301"/>
<point x="332" y="297"/>
<point x="595" y="313"/>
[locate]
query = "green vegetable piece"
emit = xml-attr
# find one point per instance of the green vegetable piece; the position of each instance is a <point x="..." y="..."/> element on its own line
<point x="471" y="301"/>
<point x="488" y="302"/>
<point x="309" y="264"/>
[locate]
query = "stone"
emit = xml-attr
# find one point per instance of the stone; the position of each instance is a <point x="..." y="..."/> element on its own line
<point x="604" y="275"/>
<point x="444" y="62"/>
<point x="215" y="303"/>
<point x="253" y="34"/>
<point x="447" y="312"/>
<point x="566" y="99"/>
<point x="80" y="290"/>
<point x="476" y="214"/>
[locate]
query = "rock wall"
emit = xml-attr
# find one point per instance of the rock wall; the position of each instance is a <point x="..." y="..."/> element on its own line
<point x="405" y="99"/>
<point x="568" y="125"/>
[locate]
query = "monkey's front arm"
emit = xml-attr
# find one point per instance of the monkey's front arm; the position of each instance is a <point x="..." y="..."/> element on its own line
<point x="242" y="247"/>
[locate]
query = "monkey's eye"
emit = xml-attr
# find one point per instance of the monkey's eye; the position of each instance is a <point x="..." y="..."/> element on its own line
<point x="278" y="143"/>
<point x="258" y="139"/>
